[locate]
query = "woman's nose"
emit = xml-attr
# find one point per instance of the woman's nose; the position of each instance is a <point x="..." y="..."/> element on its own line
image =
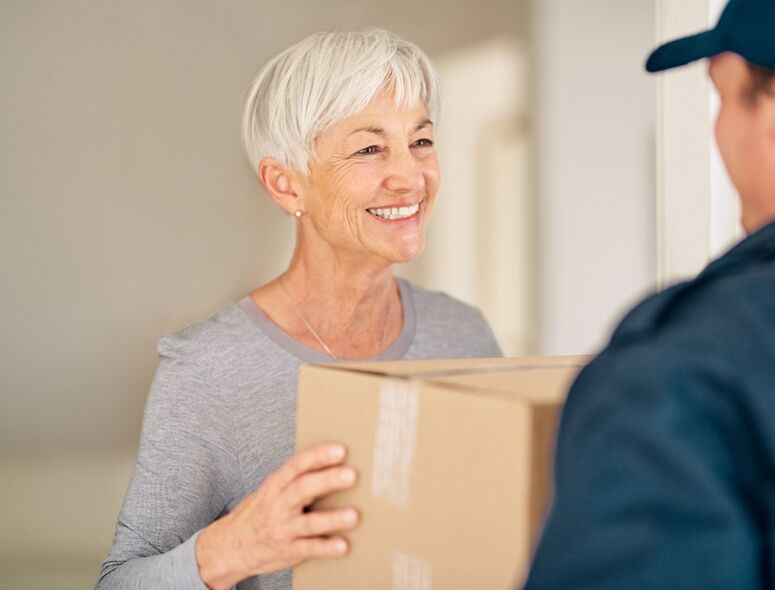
<point x="404" y="172"/>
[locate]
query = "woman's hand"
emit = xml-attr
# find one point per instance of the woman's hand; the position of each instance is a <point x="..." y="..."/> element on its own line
<point x="269" y="530"/>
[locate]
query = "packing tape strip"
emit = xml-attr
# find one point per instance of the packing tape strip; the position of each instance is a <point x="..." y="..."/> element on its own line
<point x="394" y="443"/>
<point x="411" y="573"/>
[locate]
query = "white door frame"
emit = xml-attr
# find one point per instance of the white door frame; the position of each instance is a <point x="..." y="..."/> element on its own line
<point x="697" y="209"/>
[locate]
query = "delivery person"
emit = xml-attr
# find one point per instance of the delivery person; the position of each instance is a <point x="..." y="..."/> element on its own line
<point x="665" y="464"/>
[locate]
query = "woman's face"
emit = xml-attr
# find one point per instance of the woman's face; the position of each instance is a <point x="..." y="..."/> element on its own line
<point x="373" y="181"/>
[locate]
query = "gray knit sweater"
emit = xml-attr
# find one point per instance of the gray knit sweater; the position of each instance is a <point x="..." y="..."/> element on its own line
<point x="221" y="416"/>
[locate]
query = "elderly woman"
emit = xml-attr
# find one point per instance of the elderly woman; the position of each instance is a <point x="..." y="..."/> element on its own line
<point x="339" y="129"/>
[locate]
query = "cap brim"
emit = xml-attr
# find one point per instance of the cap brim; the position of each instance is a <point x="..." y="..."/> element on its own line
<point x="683" y="51"/>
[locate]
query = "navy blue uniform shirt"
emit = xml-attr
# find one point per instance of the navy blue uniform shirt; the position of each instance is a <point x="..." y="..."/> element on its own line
<point x="665" y="461"/>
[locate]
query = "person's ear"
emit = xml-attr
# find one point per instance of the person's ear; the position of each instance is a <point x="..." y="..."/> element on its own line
<point x="281" y="183"/>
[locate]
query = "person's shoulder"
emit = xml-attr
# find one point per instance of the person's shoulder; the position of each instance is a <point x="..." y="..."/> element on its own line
<point x="696" y="336"/>
<point x="206" y="344"/>
<point x="751" y="289"/>
<point x="198" y="361"/>
<point x="719" y="313"/>
<point x="447" y="326"/>
<point x="191" y="396"/>
<point x="439" y="306"/>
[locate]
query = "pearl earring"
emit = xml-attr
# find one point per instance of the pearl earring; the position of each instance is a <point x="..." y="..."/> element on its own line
<point x="299" y="213"/>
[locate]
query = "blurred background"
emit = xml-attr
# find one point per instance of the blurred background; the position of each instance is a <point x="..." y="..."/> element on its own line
<point x="127" y="209"/>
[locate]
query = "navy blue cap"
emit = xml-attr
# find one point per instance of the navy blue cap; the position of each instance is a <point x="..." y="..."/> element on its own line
<point x="746" y="27"/>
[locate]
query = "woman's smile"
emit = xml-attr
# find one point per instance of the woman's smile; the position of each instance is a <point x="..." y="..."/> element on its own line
<point x="397" y="212"/>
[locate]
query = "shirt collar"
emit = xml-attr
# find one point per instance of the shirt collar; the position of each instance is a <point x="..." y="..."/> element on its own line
<point x="756" y="248"/>
<point x="759" y="246"/>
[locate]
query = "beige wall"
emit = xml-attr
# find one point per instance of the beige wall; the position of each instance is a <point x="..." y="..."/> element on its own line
<point x="127" y="209"/>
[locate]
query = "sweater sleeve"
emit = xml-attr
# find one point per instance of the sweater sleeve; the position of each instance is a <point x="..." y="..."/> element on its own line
<point x="183" y="479"/>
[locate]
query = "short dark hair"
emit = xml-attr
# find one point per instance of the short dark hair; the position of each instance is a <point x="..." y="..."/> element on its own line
<point x="762" y="82"/>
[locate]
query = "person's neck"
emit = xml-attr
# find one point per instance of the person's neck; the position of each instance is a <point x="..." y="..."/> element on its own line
<point x="349" y="296"/>
<point x="754" y="219"/>
<point x="352" y="305"/>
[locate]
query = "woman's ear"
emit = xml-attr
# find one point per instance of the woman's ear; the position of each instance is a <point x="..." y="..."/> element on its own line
<point x="281" y="183"/>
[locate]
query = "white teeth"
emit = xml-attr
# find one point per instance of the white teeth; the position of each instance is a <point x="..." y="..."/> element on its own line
<point x="393" y="213"/>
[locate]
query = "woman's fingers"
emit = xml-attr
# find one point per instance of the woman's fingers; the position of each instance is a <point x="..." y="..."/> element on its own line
<point x="311" y="459"/>
<point x="324" y="522"/>
<point x="311" y="486"/>
<point x="270" y="527"/>
<point x="303" y="549"/>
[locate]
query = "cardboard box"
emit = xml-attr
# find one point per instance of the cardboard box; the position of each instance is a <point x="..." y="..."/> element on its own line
<point x="454" y="466"/>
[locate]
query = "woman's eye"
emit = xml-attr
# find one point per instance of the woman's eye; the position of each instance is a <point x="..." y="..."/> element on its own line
<point x="424" y="142"/>
<point x="372" y="149"/>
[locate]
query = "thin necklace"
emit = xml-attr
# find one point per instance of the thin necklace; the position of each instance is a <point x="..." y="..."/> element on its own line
<point x="311" y="330"/>
<point x="306" y="323"/>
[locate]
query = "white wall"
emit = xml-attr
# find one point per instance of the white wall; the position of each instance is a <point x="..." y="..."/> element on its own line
<point x="594" y="126"/>
<point x="698" y="208"/>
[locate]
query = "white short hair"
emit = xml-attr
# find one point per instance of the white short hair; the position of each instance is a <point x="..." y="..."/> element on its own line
<point x="322" y="80"/>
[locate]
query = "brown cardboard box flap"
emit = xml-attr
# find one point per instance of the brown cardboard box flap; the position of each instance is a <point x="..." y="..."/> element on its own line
<point x="427" y="368"/>
<point x="541" y="378"/>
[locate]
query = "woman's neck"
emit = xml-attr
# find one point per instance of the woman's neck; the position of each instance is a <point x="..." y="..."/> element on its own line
<point x="353" y="307"/>
<point x="347" y="296"/>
